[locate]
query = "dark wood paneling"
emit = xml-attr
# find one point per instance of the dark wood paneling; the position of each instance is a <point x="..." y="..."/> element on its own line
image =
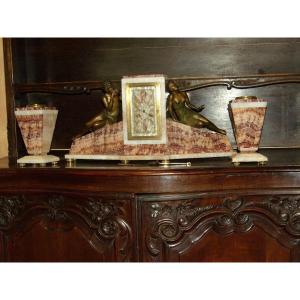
<point x="10" y="99"/>
<point x="253" y="246"/>
<point x="85" y="59"/>
<point x="52" y="246"/>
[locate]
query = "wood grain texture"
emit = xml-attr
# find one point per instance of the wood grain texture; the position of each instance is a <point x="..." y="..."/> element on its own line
<point x="13" y="145"/>
<point x="97" y="58"/>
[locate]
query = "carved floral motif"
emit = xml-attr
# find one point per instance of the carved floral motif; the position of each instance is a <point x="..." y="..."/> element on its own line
<point x="170" y="222"/>
<point x="287" y="211"/>
<point x="107" y="221"/>
<point x="103" y="217"/>
<point x="55" y="209"/>
<point x="10" y="208"/>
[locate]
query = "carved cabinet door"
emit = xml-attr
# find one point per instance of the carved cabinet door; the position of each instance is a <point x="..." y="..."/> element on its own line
<point x="219" y="228"/>
<point x="51" y="227"/>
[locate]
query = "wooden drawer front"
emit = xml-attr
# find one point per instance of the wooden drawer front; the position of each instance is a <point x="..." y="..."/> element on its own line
<point x="220" y="228"/>
<point x="51" y="227"/>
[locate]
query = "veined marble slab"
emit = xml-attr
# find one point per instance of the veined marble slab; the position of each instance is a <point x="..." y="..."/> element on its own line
<point x="183" y="142"/>
<point x="146" y="157"/>
<point x="37" y="159"/>
<point x="249" y="157"/>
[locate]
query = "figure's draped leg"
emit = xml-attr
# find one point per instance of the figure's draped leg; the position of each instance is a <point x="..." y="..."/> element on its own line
<point x="205" y="123"/>
<point x="90" y="129"/>
<point x="213" y="127"/>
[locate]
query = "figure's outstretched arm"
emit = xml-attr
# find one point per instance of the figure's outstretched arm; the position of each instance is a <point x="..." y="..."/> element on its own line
<point x="192" y="106"/>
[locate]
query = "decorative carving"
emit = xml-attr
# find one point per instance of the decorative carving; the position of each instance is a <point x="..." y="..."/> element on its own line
<point x="58" y="212"/>
<point x="244" y="83"/>
<point x="70" y="88"/>
<point x="103" y="216"/>
<point x="170" y="223"/>
<point x="10" y="208"/>
<point x="191" y="83"/>
<point x="287" y="211"/>
<point x="55" y="210"/>
<point x="233" y="204"/>
<point x="106" y="220"/>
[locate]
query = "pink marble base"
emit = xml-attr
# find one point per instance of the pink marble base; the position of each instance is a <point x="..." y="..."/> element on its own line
<point x="182" y="140"/>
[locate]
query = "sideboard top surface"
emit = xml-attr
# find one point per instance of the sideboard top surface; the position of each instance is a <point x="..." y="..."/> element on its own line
<point x="282" y="172"/>
<point x="278" y="159"/>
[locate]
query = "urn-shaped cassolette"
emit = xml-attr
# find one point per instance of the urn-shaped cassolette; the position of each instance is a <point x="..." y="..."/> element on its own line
<point x="248" y="114"/>
<point x="37" y="125"/>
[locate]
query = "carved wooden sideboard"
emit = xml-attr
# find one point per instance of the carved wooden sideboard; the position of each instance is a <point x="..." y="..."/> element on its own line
<point x="213" y="212"/>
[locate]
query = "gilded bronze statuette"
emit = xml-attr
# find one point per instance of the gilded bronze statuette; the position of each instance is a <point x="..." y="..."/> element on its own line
<point x="180" y="109"/>
<point x="110" y="114"/>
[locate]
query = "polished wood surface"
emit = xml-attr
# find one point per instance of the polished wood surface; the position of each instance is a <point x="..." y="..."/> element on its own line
<point x="51" y="60"/>
<point x="217" y="174"/>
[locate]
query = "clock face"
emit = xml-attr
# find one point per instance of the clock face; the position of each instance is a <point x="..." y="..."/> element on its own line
<point x="144" y="110"/>
<point x="144" y="118"/>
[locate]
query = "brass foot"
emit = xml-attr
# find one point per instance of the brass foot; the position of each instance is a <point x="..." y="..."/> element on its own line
<point x="21" y="165"/>
<point x="236" y="163"/>
<point x="261" y="163"/>
<point x="54" y="163"/>
<point x="70" y="162"/>
<point x="164" y="163"/>
<point x="124" y="162"/>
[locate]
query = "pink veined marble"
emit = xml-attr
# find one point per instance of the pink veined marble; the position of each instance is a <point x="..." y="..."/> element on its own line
<point x="182" y="139"/>
<point x="37" y="127"/>
<point x="248" y="118"/>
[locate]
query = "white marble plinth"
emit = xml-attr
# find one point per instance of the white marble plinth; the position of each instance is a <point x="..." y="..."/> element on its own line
<point x="38" y="159"/>
<point x="248" y="157"/>
<point x="146" y="157"/>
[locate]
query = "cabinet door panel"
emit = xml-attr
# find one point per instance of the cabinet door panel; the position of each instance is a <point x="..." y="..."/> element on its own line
<point x="47" y="227"/>
<point x="220" y="228"/>
<point x="253" y="246"/>
<point x="39" y="244"/>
